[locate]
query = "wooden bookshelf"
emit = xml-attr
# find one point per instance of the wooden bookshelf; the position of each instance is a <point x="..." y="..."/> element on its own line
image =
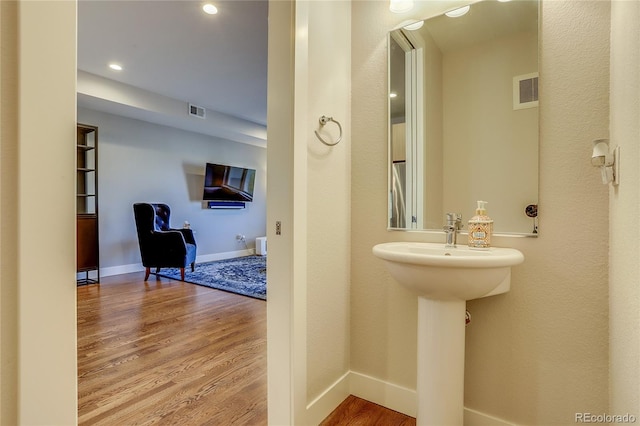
<point x="87" y="237"/>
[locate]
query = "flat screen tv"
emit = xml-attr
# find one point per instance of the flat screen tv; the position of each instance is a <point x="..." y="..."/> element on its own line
<point x="228" y="183"/>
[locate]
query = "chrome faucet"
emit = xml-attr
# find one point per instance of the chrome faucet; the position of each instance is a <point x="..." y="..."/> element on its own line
<point x="454" y="223"/>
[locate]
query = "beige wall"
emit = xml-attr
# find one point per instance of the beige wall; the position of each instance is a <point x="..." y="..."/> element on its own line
<point x="492" y="140"/>
<point x="328" y="195"/>
<point x="8" y="213"/>
<point x="624" y="296"/>
<point x="539" y="353"/>
<point x="433" y="152"/>
<point x="38" y="180"/>
<point x="309" y="191"/>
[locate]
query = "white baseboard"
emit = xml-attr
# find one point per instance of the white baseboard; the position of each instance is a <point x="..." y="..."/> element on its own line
<point x="327" y="401"/>
<point x="476" y="418"/>
<point x="404" y="400"/>
<point x="137" y="267"/>
<point x="121" y="269"/>
<point x="225" y="255"/>
<point x="388" y="395"/>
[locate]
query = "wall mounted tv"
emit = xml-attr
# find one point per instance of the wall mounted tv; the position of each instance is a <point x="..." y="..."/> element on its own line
<point x="228" y="183"/>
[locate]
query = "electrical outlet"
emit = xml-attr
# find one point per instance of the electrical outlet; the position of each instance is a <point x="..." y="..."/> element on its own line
<point x="241" y="237"/>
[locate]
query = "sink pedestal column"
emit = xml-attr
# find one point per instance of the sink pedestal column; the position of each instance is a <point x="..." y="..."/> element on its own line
<point x="440" y="362"/>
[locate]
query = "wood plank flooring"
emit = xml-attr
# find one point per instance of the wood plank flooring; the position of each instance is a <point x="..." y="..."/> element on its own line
<point x="171" y="353"/>
<point x="167" y="352"/>
<point x="358" y="412"/>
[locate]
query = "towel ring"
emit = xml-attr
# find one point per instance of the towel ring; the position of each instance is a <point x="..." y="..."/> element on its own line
<point x="324" y="120"/>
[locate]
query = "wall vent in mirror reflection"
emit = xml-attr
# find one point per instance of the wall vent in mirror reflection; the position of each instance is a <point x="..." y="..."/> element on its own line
<point x="525" y="91"/>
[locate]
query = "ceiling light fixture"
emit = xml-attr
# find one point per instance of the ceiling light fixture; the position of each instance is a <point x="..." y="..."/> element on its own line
<point x="210" y="9"/>
<point x="393" y="95"/>
<point x="456" y="13"/>
<point x="415" y="26"/>
<point x="400" y="6"/>
<point x="115" y="67"/>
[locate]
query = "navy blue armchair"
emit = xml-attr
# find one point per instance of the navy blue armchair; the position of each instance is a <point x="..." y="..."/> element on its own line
<point x="160" y="245"/>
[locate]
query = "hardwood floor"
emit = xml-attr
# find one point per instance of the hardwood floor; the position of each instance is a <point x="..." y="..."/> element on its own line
<point x="171" y="353"/>
<point x="166" y="352"/>
<point x="357" y="412"/>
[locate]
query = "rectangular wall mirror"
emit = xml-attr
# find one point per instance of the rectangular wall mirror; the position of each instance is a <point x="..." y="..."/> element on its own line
<point x="463" y="118"/>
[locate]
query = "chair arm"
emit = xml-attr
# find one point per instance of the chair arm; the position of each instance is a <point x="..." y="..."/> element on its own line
<point x="187" y="233"/>
<point x="171" y="239"/>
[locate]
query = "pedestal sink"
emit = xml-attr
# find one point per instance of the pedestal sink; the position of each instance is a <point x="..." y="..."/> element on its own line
<point x="444" y="279"/>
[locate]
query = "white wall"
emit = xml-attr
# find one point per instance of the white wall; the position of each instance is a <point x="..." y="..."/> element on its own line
<point x="539" y="353"/>
<point x="145" y="162"/>
<point x="308" y="306"/>
<point x="624" y="269"/>
<point x="37" y="213"/>
<point x="103" y="94"/>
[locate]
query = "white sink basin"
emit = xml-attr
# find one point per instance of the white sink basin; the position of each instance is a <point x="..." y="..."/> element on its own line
<point x="444" y="279"/>
<point x="432" y="271"/>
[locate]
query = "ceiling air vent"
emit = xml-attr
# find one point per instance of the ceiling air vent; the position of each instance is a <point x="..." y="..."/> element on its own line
<point x="525" y="91"/>
<point x="196" y="111"/>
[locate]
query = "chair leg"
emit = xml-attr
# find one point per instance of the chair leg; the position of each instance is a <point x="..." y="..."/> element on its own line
<point x="157" y="269"/>
<point x="146" y="273"/>
<point x="182" y="274"/>
<point x="193" y="266"/>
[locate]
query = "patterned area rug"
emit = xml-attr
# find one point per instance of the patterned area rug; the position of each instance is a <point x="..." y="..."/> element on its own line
<point x="241" y="275"/>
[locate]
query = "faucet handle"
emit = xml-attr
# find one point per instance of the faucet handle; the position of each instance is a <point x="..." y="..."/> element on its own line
<point x="454" y="219"/>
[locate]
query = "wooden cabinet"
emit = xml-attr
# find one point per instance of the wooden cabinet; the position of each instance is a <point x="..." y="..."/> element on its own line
<point x="87" y="248"/>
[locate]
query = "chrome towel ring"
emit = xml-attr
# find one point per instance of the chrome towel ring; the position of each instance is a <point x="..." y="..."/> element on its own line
<point x="324" y="120"/>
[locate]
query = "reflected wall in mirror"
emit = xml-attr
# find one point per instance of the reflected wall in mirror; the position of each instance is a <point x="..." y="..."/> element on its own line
<point x="464" y="117"/>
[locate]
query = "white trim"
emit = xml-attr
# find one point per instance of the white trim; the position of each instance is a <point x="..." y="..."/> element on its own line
<point x="137" y="267"/>
<point x="404" y="400"/>
<point x="476" y="418"/>
<point x="419" y="151"/>
<point x="327" y="401"/>
<point x="121" y="269"/>
<point x="394" y="397"/>
<point x="281" y="334"/>
<point x="410" y="137"/>
<point x="224" y="255"/>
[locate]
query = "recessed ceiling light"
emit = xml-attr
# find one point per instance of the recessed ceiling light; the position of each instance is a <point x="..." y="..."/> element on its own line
<point x="456" y="13"/>
<point x="115" y="67"/>
<point x="210" y="9"/>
